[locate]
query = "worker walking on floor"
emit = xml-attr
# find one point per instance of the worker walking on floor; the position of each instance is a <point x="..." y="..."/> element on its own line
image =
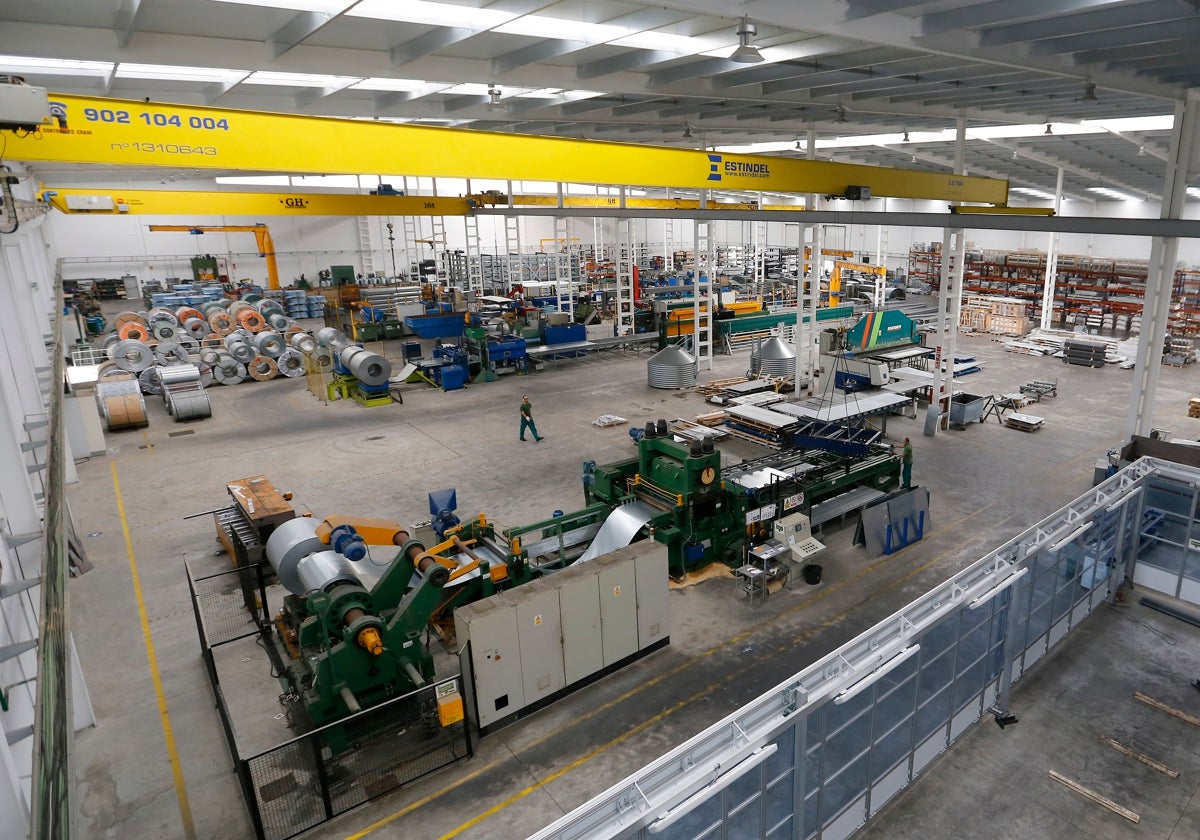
<point x="906" y="475"/>
<point x="527" y="419"/>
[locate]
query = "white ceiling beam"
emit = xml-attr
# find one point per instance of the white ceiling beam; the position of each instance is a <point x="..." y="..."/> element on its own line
<point x="126" y="20"/>
<point x="431" y="41"/>
<point x="634" y="60"/>
<point x="1001" y="11"/>
<point x="533" y="53"/>
<point x="1142" y="145"/>
<point x="1111" y="16"/>
<point x="1059" y="163"/>
<point x="296" y="31"/>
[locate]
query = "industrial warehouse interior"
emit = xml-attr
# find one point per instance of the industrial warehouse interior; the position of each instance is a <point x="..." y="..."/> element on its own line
<point x="556" y="419"/>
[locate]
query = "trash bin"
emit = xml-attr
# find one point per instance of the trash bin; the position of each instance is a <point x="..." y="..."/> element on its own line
<point x="812" y="574"/>
<point x="965" y="408"/>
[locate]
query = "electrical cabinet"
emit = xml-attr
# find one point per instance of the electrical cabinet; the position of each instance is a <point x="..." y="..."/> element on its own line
<point x="491" y="627"/>
<point x="540" y="633"/>
<point x="523" y="647"/>
<point x="579" y="597"/>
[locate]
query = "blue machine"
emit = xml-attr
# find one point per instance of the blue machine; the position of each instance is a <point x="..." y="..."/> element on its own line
<point x="442" y="504"/>
<point x="566" y="334"/>
<point x="451" y="374"/>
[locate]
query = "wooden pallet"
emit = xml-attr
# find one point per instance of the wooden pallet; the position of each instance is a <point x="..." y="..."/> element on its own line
<point x="1024" y="422"/>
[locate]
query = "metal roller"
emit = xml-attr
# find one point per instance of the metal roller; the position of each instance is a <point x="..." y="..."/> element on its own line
<point x="170" y="353"/>
<point x="368" y="368"/>
<point x="221" y="322"/>
<point x="196" y="327"/>
<point x="132" y="356"/>
<point x="303" y="342"/>
<point x="291" y="362"/>
<point x="134" y="331"/>
<point x="323" y="569"/>
<point x="269" y="344"/>
<point x="161" y="313"/>
<point x="229" y="371"/>
<point x="331" y="337"/>
<point x="290" y="543"/>
<point x="262" y="368"/>
<point x="190" y="405"/>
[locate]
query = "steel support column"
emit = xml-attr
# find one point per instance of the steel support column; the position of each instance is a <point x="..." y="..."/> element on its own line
<point x="1052" y="263"/>
<point x="1160" y="280"/>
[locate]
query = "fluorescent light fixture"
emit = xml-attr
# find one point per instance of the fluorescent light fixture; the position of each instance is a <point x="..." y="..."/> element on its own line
<point x="300" y="80"/>
<point x="1194" y="192"/>
<point x="875" y="676"/>
<point x="402" y="85"/>
<point x="431" y="14"/>
<point x="1032" y="192"/>
<point x="328" y="181"/>
<point x="541" y="26"/>
<point x="998" y="588"/>
<point x="1107" y="193"/>
<point x="254" y="180"/>
<point x="1161" y="123"/>
<point x="54" y="66"/>
<point x="327" y="6"/>
<point x="1001" y="132"/>
<point x="179" y="74"/>
<point x="717" y="785"/>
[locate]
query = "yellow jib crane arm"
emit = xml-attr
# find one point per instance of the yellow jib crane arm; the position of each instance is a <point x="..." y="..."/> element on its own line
<point x="114" y="131"/>
<point x="262" y="236"/>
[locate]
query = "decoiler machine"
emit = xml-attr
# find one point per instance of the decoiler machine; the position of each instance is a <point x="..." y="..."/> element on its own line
<point x="352" y="631"/>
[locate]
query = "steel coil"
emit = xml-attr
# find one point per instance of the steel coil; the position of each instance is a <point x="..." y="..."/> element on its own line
<point x="178" y="374"/>
<point x="190" y="405"/>
<point x="368" y="368"/>
<point x="290" y="543"/>
<point x="133" y="331"/>
<point x="323" y="356"/>
<point x="132" y="356"/>
<point x="164" y="331"/>
<point x="239" y="349"/>
<point x="303" y="342"/>
<point x="209" y="307"/>
<point x="170" y="353"/>
<point x="294" y="329"/>
<point x="197" y="327"/>
<point x="279" y="321"/>
<point x="252" y="320"/>
<point x="237" y="307"/>
<point x="206" y="375"/>
<point x="262" y="368"/>
<point x="291" y="362"/>
<point x="117" y="385"/>
<point x="221" y="322"/>
<point x="229" y="371"/>
<point x="269" y="306"/>
<point x="124" y="412"/>
<point x="331" y="337"/>
<point x="269" y="344"/>
<point x="184" y="312"/>
<point x="124" y="318"/>
<point x="150" y="382"/>
<point x="209" y="356"/>
<point x="161" y="313"/>
<point x="109" y="340"/>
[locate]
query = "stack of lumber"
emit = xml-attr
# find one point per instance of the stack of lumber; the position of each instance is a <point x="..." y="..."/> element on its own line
<point x="1194" y="407"/>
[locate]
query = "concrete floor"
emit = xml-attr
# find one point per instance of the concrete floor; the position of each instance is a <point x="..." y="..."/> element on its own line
<point x="988" y="483"/>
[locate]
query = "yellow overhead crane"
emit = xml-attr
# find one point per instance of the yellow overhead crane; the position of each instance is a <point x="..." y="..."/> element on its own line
<point x="135" y="133"/>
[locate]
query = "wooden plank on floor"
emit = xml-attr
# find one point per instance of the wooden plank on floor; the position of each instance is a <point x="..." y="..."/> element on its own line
<point x="1171" y="710"/>
<point x="1144" y="759"/>
<point x="1087" y="793"/>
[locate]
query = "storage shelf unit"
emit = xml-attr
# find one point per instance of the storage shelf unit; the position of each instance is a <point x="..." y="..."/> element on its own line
<point x="1101" y="292"/>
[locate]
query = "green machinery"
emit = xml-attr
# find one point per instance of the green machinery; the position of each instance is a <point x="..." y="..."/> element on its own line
<point x="205" y="269"/>
<point x="350" y="632"/>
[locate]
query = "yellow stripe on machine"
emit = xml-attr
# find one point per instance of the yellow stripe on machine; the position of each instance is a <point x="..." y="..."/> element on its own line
<point x="113" y="131"/>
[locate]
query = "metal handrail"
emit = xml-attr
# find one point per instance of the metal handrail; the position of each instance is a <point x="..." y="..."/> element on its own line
<point x="53" y="811"/>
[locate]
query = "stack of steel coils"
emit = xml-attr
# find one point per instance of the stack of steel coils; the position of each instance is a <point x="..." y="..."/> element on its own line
<point x="184" y="393"/>
<point x="121" y="403"/>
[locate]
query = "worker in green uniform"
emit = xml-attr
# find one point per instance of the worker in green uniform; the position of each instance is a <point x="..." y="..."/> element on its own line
<point x="906" y="478"/>
<point x="527" y="419"/>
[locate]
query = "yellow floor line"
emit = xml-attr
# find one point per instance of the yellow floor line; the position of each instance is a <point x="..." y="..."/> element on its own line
<point x="185" y="809"/>
<point x="916" y="570"/>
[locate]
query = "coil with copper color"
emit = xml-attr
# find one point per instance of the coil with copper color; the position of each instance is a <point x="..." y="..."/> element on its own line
<point x="262" y="368"/>
<point x="252" y="320"/>
<point x="221" y="322"/>
<point x="133" y="331"/>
